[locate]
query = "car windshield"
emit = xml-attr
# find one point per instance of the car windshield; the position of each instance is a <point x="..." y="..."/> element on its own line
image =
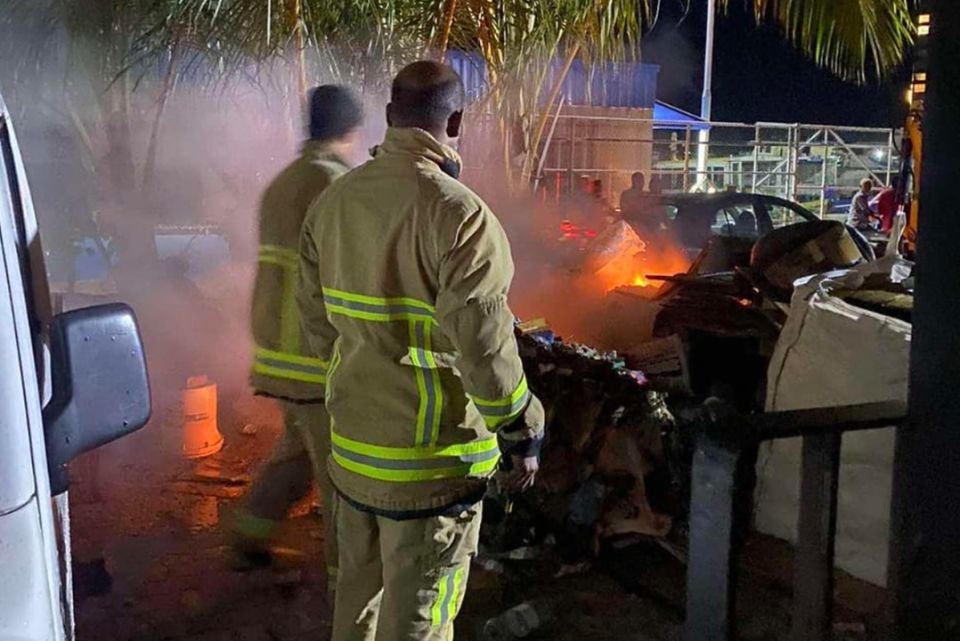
<point x="781" y="215"/>
<point x="738" y="220"/>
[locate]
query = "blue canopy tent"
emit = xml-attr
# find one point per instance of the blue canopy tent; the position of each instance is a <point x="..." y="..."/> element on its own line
<point x="667" y="117"/>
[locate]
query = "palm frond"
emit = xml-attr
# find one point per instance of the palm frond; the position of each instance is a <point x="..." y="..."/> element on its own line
<point x="855" y="39"/>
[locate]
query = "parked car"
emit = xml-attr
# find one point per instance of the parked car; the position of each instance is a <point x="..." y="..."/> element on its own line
<point x="69" y="383"/>
<point x="695" y="219"/>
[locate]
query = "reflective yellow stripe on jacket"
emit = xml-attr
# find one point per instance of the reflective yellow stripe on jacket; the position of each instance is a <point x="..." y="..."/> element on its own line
<point x="420" y="317"/>
<point x="372" y="308"/>
<point x="290" y="366"/>
<point x="501" y="411"/>
<point x="425" y="461"/>
<point x="287" y="362"/>
<point x="411" y="464"/>
<point x="277" y="255"/>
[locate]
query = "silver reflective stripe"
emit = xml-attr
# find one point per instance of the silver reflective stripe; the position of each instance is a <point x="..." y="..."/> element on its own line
<point x="505" y="410"/>
<point x="374" y="308"/>
<point x="415" y="464"/>
<point x="447" y="597"/>
<point x="429" y="382"/>
<point x="295" y="367"/>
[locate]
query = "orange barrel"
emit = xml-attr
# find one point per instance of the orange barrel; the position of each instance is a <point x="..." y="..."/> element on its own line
<point x="200" y="434"/>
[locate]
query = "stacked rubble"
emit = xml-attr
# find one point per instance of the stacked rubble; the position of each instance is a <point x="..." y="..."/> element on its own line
<point x="604" y="446"/>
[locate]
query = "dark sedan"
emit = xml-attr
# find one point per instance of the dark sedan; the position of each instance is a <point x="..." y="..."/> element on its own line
<point x="697" y="218"/>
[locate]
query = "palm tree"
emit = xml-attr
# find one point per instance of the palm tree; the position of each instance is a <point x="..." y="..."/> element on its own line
<point x="364" y="41"/>
<point x="70" y="58"/>
<point x="855" y="39"/>
<point x="518" y="40"/>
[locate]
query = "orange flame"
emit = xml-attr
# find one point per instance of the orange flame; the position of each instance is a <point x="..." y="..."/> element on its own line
<point x="635" y="260"/>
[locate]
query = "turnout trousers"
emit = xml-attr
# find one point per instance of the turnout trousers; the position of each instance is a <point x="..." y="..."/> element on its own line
<point x="401" y="580"/>
<point x="298" y="458"/>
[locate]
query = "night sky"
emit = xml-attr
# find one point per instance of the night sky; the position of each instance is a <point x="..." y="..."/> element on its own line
<point x="758" y="75"/>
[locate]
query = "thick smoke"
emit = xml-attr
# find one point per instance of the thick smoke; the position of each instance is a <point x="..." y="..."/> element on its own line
<point x="148" y="193"/>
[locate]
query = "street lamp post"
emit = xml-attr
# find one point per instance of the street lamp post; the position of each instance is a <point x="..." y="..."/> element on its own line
<point x="706" y="101"/>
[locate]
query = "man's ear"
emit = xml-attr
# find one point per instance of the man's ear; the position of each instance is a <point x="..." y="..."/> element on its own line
<point x="389" y="112"/>
<point x="454" y="123"/>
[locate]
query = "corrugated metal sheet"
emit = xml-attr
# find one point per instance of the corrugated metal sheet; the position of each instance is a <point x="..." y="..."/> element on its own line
<point x="630" y="84"/>
<point x="472" y="69"/>
<point x="601" y="85"/>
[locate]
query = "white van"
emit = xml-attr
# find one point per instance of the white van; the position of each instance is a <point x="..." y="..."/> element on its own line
<point x="68" y="383"/>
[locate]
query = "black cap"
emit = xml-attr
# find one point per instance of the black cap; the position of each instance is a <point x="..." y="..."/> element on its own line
<point x="335" y="111"/>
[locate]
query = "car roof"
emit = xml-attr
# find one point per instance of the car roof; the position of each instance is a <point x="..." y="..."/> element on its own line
<point x="721" y="198"/>
<point x="717" y="197"/>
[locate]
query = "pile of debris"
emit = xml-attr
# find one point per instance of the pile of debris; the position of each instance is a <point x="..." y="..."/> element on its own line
<point x="604" y="470"/>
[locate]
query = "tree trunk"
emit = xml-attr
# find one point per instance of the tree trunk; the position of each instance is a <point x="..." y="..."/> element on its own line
<point x="131" y="223"/>
<point x="447" y="27"/>
<point x="533" y="149"/>
<point x="300" y="41"/>
<point x="169" y="82"/>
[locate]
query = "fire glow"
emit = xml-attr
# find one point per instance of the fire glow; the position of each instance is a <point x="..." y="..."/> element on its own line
<point x="623" y="259"/>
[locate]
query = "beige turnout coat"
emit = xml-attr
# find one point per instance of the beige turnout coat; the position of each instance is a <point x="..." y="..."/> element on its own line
<point x="404" y="275"/>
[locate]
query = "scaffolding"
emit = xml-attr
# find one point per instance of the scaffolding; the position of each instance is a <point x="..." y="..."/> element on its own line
<point x="820" y="166"/>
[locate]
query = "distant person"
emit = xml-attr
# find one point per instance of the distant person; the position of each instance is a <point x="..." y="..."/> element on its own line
<point x="601" y="213"/>
<point x="633" y="200"/>
<point x="653" y="205"/>
<point x="860" y="216"/>
<point x="642" y="208"/>
<point x="596" y="190"/>
<point x="656" y="185"/>
<point x="746" y="225"/>
<point x="284" y="367"/>
<point x="884" y="205"/>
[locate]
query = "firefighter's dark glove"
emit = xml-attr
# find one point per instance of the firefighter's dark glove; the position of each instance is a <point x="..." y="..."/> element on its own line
<point x="521" y="459"/>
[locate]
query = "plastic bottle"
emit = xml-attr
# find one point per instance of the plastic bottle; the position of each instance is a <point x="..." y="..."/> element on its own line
<point x="518" y="622"/>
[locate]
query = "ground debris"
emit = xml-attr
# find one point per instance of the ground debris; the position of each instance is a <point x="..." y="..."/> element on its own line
<point x="605" y="434"/>
<point x="206" y="489"/>
<point x="213" y="470"/>
<point x="849" y="627"/>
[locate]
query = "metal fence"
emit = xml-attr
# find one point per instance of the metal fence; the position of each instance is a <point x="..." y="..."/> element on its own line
<point x="818" y="165"/>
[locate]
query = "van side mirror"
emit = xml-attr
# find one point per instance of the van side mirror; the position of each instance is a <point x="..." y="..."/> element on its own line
<point x="100" y="386"/>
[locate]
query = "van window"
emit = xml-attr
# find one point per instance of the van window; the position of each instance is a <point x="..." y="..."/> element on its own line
<point x="16" y="478"/>
<point x="10" y="190"/>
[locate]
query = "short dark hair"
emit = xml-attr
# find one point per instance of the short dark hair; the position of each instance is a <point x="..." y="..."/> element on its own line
<point x="335" y="111"/>
<point x="425" y="94"/>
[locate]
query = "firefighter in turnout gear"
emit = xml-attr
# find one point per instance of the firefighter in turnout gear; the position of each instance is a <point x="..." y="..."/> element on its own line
<point x="283" y="366"/>
<point x="404" y="275"/>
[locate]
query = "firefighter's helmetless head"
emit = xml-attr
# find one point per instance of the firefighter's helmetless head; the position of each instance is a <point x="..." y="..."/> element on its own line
<point x="430" y="96"/>
<point x="336" y="114"/>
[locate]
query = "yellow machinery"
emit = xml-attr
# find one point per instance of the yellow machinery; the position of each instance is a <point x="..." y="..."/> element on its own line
<point x="911" y="151"/>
